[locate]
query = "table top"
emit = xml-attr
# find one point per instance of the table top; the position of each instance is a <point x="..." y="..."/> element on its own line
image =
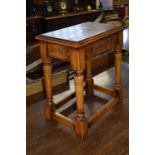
<point x="126" y="39"/>
<point x="80" y="32"/>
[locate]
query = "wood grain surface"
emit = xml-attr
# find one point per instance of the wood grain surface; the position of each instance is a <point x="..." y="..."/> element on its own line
<point x="108" y="136"/>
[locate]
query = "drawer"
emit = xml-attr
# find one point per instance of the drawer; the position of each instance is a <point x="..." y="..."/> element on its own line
<point x="103" y="45"/>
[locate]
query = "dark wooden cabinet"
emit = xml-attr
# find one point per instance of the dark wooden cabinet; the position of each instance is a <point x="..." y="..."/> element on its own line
<point x="33" y="27"/>
<point x="61" y="21"/>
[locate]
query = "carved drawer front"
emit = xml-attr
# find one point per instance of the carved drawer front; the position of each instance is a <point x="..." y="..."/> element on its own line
<point x="104" y="45"/>
<point x="58" y="51"/>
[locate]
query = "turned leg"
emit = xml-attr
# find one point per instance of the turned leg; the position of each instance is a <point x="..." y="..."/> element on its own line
<point x="118" y="58"/>
<point x="81" y="126"/>
<point x="89" y="78"/>
<point x="49" y="105"/>
<point x="78" y="65"/>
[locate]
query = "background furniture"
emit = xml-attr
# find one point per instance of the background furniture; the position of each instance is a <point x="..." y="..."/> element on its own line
<point x="126" y="21"/>
<point x="61" y="21"/>
<point x="35" y="88"/>
<point x="114" y="20"/>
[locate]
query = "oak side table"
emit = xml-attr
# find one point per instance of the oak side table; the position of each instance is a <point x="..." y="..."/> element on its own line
<point x="78" y="44"/>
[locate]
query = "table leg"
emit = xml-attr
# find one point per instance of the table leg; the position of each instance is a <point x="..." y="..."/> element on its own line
<point x="118" y="59"/>
<point x="81" y="126"/>
<point x="89" y="78"/>
<point x="49" y="105"/>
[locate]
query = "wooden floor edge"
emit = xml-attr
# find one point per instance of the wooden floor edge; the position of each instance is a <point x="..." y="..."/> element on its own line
<point x="62" y="119"/>
<point x="105" y="90"/>
<point x="110" y="104"/>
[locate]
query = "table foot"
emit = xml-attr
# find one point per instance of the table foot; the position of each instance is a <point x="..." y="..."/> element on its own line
<point x="120" y="94"/>
<point x="81" y="126"/>
<point x="48" y="110"/>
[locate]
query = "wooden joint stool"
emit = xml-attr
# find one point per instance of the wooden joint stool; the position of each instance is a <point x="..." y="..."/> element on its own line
<point x="79" y="44"/>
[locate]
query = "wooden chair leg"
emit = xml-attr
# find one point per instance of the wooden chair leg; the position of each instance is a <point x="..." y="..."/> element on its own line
<point x="118" y="59"/>
<point x="89" y="82"/>
<point x="81" y="125"/>
<point x="49" y="105"/>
